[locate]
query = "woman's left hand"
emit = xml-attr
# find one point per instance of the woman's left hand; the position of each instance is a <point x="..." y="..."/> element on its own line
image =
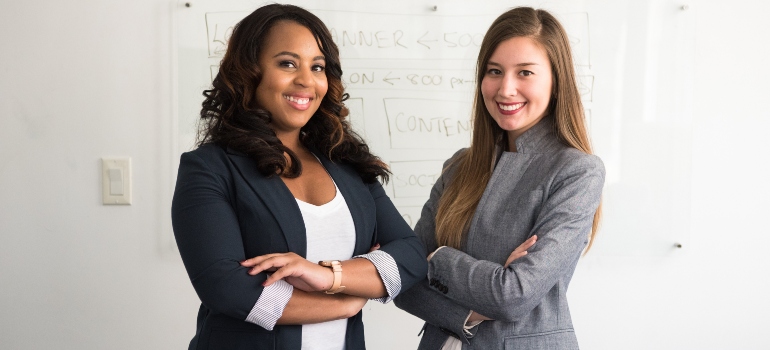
<point x="296" y="270"/>
<point x="521" y="250"/>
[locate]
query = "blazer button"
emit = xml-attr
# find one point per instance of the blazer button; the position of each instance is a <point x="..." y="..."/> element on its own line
<point x="432" y="282"/>
<point x="444" y="289"/>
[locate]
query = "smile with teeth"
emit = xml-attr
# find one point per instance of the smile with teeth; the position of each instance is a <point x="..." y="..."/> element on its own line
<point x="510" y="107"/>
<point x="301" y="100"/>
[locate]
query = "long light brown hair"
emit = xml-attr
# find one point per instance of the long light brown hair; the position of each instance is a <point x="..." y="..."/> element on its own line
<point x="474" y="167"/>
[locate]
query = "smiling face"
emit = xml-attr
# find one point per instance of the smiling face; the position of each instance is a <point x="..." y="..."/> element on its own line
<point x="517" y="85"/>
<point x="293" y="80"/>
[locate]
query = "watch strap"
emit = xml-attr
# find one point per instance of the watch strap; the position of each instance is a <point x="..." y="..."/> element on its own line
<point x="336" y="267"/>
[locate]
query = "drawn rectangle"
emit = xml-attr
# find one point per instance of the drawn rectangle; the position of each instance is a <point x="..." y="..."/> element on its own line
<point x="414" y="179"/>
<point x="586" y="87"/>
<point x="577" y="27"/>
<point x="427" y="124"/>
<point x="219" y="27"/>
<point x="356" y="115"/>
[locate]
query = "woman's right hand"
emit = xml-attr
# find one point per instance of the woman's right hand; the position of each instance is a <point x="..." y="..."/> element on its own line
<point x="296" y="270"/>
<point x="521" y="250"/>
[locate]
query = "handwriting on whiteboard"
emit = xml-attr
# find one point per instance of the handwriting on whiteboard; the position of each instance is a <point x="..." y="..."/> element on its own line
<point x="414" y="179"/>
<point x="425" y="124"/>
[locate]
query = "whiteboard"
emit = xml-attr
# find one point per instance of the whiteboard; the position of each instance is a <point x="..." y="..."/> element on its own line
<point x="409" y="69"/>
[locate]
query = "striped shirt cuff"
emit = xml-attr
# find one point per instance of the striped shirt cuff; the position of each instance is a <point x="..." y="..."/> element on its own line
<point x="270" y="305"/>
<point x="388" y="271"/>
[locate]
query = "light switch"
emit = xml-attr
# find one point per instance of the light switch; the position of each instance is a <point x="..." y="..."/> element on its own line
<point x="116" y="180"/>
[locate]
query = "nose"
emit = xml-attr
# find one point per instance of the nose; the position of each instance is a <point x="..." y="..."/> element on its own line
<point x="304" y="77"/>
<point x="508" y="86"/>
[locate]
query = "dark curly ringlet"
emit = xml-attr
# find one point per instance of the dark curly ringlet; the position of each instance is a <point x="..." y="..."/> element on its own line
<point x="232" y="118"/>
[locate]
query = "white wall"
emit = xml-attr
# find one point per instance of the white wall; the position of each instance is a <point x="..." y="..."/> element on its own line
<point x="87" y="79"/>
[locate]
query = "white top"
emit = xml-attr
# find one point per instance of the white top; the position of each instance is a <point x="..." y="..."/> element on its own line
<point x="331" y="235"/>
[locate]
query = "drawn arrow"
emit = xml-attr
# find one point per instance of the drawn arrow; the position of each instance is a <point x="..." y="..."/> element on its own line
<point x="420" y="41"/>
<point x="387" y="80"/>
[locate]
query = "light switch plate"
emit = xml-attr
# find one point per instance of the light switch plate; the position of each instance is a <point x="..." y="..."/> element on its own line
<point x="116" y="181"/>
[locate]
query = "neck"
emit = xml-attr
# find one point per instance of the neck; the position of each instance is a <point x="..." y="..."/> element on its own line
<point x="511" y="142"/>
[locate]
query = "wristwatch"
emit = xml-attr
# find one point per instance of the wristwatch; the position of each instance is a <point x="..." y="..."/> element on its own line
<point x="336" y="267"/>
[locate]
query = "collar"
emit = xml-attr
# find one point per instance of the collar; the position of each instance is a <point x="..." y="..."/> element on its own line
<point x="539" y="138"/>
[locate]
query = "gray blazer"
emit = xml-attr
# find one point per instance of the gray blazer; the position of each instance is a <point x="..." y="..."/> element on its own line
<point x="546" y="188"/>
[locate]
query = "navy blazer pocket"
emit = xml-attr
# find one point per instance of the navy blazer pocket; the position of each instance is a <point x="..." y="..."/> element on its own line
<point x="561" y="340"/>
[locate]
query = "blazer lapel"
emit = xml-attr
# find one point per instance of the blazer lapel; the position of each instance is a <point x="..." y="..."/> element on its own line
<point x="278" y="200"/>
<point x="353" y="189"/>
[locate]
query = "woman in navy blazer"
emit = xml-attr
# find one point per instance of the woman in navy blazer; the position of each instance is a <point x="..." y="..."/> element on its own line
<point x="274" y="140"/>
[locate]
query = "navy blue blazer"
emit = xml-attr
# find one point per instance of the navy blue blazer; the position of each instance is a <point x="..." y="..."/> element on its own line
<point x="224" y="211"/>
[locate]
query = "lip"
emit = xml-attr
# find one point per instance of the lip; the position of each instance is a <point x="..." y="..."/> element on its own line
<point x="510" y="112"/>
<point x="298" y="96"/>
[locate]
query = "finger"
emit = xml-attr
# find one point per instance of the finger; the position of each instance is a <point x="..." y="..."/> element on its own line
<point x="257" y="259"/>
<point x="268" y="264"/>
<point x="285" y="271"/>
<point x="527" y="244"/>
<point x="270" y="280"/>
<point x="374" y="247"/>
<point x="514" y="256"/>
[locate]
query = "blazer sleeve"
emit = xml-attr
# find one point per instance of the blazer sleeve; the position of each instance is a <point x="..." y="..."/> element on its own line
<point x="562" y="227"/>
<point x="423" y="301"/>
<point x="209" y="239"/>
<point x="397" y="239"/>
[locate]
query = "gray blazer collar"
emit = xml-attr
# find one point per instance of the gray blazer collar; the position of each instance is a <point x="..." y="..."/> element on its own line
<point x="540" y="138"/>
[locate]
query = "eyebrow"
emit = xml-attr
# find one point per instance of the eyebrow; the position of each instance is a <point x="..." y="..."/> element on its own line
<point x="523" y="64"/>
<point x="292" y="54"/>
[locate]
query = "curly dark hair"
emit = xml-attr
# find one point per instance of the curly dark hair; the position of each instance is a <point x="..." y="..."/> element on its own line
<point x="230" y="116"/>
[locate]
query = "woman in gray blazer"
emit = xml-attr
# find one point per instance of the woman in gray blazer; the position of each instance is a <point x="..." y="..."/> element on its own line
<point x="528" y="174"/>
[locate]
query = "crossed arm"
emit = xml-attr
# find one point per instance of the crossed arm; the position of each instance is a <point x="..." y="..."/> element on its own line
<point x="308" y="303"/>
<point x="209" y="238"/>
<point x="508" y="293"/>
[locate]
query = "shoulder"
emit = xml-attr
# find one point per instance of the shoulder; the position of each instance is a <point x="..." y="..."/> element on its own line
<point x="209" y="156"/>
<point x="570" y="165"/>
<point x="573" y="158"/>
<point x="450" y="165"/>
<point x="452" y="161"/>
<point x="208" y="151"/>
